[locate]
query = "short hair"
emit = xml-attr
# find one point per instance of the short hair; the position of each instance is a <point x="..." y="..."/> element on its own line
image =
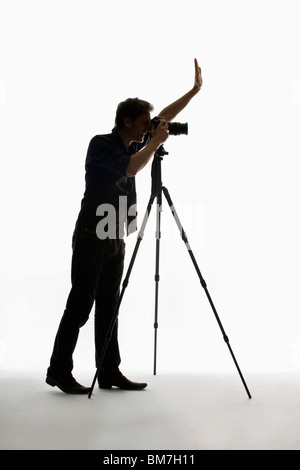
<point x="131" y="108"/>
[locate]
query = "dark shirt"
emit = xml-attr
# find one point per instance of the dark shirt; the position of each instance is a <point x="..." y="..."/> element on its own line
<point x="106" y="181"/>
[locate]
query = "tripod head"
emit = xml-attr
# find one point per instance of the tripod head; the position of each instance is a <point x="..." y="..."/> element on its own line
<point x="161" y="152"/>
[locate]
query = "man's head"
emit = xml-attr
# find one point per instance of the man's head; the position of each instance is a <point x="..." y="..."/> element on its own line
<point x="133" y="119"/>
<point x="131" y="108"/>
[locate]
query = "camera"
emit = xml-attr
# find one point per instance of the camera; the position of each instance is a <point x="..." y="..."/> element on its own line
<point x="175" y="128"/>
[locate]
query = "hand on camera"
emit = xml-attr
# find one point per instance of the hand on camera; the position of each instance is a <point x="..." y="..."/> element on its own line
<point x="161" y="132"/>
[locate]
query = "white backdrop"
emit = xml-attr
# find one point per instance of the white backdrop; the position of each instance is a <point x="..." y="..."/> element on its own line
<point x="65" y="65"/>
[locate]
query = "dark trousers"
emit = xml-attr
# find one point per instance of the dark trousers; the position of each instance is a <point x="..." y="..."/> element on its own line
<point x="97" y="269"/>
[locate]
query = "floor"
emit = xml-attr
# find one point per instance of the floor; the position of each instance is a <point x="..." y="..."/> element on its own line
<point x="186" y="412"/>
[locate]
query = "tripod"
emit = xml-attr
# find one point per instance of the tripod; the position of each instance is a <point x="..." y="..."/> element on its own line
<point x="157" y="190"/>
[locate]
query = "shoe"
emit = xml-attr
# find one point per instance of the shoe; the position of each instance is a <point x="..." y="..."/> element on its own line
<point x="68" y="385"/>
<point x="117" y="379"/>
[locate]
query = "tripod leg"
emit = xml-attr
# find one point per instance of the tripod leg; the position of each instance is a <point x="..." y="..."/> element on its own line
<point x="124" y="285"/>
<point x="156" y="278"/>
<point x="203" y="283"/>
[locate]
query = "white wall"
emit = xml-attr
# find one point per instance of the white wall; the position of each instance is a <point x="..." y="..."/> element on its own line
<point x="65" y="65"/>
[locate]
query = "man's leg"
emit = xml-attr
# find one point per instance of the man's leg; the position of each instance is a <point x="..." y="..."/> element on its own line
<point x="86" y="265"/>
<point x="106" y="302"/>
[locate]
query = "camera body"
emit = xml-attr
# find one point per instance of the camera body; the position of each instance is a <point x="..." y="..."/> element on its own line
<point x="175" y="128"/>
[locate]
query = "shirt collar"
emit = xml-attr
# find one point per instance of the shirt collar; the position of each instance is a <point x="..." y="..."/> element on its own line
<point x="118" y="139"/>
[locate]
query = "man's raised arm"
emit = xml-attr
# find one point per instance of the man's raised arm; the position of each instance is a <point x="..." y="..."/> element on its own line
<point x="170" y="112"/>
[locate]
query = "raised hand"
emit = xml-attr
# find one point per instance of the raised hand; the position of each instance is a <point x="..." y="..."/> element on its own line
<point x="198" y="76"/>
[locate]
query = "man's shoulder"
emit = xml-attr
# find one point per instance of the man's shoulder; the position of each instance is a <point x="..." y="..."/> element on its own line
<point x="102" y="139"/>
<point x="100" y="142"/>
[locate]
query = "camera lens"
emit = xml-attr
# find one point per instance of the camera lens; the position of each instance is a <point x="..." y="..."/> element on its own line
<point x="177" y="128"/>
